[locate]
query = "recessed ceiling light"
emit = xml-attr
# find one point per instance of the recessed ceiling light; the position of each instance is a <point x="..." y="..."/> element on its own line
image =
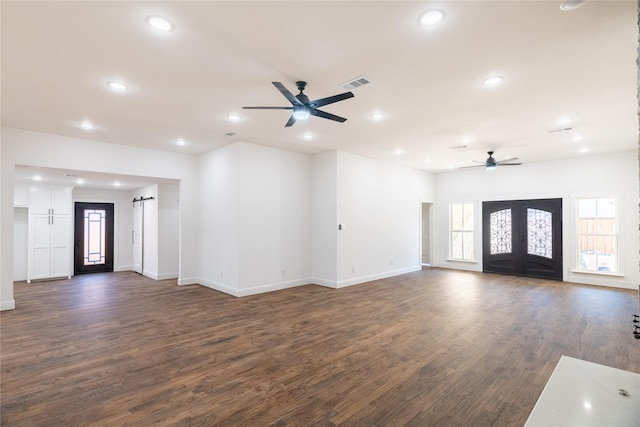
<point x="233" y="117"/>
<point x="492" y="81"/>
<point x="308" y="136"/>
<point x="431" y="17"/>
<point x="159" y="23"/>
<point x="569" y="5"/>
<point x="584" y="150"/>
<point x="116" y="184"/>
<point x="377" y="116"/>
<point x="37" y="178"/>
<point x="79" y="181"/>
<point x="398" y="151"/>
<point x="577" y="138"/>
<point x="565" y="121"/>
<point x="180" y="142"/>
<point x="427" y="160"/>
<point x="117" y="86"/>
<point x="86" y="126"/>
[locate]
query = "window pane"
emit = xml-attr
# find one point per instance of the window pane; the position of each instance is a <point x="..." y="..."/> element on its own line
<point x="500" y="230"/>
<point x="587" y="208"/>
<point x="587" y="253"/>
<point x="539" y="233"/>
<point x="456" y="217"/>
<point x="606" y="251"/>
<point x="468" y="217"/>
<point x="456" y="245"/>
<point x="467" y="245"/>
<point x="606" y="208"/>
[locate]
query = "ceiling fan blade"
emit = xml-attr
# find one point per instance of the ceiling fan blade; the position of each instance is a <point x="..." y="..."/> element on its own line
<point x="508" y="164"/>
<point x="330" y="99"/>
<point x="268" y="108"/>
<point x="478" y="161"/>
<point x="283" y="90"/>
<point x="291" y="121"/>
<point x="325" y="115"/>
<point x="474" y="166"/>
<point x="510" y="159"/>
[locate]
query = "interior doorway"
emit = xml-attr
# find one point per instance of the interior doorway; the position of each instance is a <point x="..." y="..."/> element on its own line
<point x="425" y="253"/>
<point x="93" y="238"/>
<point x="523" y="237"/>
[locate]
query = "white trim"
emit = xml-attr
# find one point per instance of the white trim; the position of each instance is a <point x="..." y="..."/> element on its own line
<point x="217" y="287"/>
<point x="377" y="276"/>
<point x="324" y="282"/>
<point x="188" y="281"/>
<point x="167" y="276"/>
<point x="7" y="305"/>
<point x="273" y="287"/>
<point x="598" y="273"/>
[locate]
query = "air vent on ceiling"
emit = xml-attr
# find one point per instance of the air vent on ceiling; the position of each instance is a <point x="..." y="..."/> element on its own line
<point x="357" y="82"/>
<point x="458" y="147"/>
<point x="560" y="129"/>
<point x="230" y="134"/>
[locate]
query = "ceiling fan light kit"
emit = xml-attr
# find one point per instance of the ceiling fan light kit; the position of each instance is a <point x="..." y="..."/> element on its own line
<point x="302" y="108"/>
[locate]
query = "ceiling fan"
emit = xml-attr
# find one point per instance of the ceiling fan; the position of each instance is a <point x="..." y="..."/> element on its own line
<point x="491" y="163"/>
<point x="302" y="107"/>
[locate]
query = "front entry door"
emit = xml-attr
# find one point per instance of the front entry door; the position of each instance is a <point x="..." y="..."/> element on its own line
<point x="523" y="237"/>
<point x="93" y="238"/>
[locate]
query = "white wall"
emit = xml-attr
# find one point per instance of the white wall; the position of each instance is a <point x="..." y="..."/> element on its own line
<point x="38" y="149"/>
<point x="599" y="175"/>
<point x="122" y="221"/>
<point x="380" y="205"/>
<point x="255" y="219"/>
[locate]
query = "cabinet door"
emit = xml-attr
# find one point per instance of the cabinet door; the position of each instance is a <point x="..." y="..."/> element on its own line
<point x="40" y="201"/>
<point x="40" y="248"/>
<point x="61" y="201"/>
<point x="60" y="245"/>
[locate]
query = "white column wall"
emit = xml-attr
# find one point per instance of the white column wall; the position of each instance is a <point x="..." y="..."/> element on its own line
<point x="46" y="150"/>
<point x="219" y="197"/>
<point x="612" y="174"/>
<point x="275" y="219"/>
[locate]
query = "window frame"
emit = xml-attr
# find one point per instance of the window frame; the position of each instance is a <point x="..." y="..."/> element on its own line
<point x="471" y="232"/>
<point x="618" y="268"/>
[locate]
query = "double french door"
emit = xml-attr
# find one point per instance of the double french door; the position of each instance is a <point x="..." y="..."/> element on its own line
<point x="523" y="237"/>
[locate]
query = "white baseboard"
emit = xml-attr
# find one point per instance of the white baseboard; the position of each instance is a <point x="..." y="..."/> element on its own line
<point x="217" y="287"/>
<point x="123" y="268"/>
<point x="377" y="276"/>
<point x="7" y="305"/>
<point x="188" y="281"/>
<point x="323" y="282"/>
<point x="167" y="276"/>
<point x="273" y="287"/>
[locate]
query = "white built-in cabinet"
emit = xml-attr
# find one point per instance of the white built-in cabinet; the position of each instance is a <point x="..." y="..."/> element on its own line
<point x="50" y="246"/>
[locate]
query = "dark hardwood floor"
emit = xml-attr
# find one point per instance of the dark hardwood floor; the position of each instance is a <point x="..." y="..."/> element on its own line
<point x="431" y="348"/>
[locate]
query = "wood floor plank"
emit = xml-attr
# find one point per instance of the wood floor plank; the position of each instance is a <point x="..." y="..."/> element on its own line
<point x="431" y="348"/>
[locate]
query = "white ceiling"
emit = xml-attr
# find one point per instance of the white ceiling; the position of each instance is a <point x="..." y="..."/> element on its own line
<point x="580" y="64"/>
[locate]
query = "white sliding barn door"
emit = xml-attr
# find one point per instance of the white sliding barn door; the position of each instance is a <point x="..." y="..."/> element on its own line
<point x="138" y="235"/>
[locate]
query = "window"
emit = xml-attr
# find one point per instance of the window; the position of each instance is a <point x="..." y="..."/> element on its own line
<point x="461" y="225"/>
<point x="597" y="234"/>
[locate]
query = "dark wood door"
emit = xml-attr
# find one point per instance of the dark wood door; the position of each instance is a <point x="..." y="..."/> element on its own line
<point x="93" y="238"/>
<point x="523" y="237"/>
